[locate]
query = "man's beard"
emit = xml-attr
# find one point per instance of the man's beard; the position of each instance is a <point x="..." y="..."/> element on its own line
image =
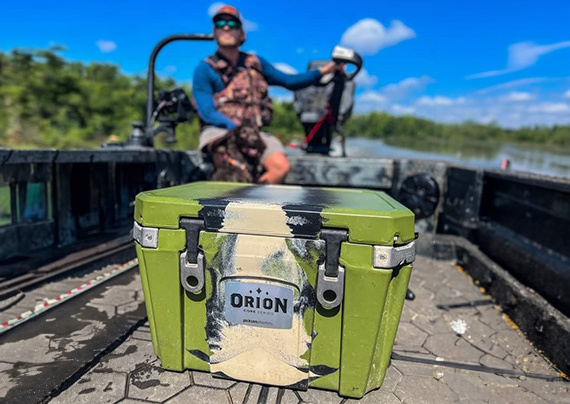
<point x="229" y="42"/>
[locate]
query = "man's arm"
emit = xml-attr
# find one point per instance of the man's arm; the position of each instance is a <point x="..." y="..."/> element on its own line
<point x="289" y="81"/>
<point x="203" y="92"/>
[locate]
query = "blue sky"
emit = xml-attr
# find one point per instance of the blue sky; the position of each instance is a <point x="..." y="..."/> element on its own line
<point x="504" y="61"/>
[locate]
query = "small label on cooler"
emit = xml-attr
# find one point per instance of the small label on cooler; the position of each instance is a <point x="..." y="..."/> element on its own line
<point x="258" y="304"/>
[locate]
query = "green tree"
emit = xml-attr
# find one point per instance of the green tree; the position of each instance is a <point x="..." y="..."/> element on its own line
<point x="46" y="101"/>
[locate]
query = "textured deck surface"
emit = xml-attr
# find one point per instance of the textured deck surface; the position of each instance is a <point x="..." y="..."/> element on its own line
<point x="24" y="301"/>
<point x="433" y="361"/>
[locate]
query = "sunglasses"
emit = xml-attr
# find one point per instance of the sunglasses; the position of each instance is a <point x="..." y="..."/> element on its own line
<point x="230" y="23"/>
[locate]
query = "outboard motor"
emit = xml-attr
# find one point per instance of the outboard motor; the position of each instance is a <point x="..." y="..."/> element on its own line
<point x="323" y="109"/>
<point x="170" y="108"/>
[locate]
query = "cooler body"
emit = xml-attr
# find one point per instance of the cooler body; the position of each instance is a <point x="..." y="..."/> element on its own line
<point x="287" y="286"/>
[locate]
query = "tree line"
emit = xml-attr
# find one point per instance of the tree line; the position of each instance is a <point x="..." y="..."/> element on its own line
<point x="381" y="125"/>
<point x="46" y="101"/>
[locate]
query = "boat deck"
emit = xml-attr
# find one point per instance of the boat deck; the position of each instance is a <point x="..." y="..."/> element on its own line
<point x="453" y="344"/>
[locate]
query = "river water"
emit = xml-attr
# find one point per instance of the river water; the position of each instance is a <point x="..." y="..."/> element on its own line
<point x="481" y="155"/>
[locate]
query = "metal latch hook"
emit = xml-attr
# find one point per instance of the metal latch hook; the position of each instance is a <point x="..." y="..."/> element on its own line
<point x="330" y="290"/>
<point x="330" y="277"/>
<point x="192" y="274"/>
<point x="192" y="259"/>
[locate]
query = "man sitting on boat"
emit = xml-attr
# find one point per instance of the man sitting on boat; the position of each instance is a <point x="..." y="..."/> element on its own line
<point x="230" y="89"/>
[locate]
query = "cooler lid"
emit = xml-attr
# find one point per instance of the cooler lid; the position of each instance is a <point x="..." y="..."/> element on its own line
<point x="371" y="217"/>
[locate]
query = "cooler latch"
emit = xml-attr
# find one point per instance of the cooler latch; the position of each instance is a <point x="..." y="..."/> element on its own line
<point x="191" y="259"/>
<point x="330" y="278"/>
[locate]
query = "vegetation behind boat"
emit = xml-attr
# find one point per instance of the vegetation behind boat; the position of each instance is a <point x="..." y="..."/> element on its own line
<point x="50" y="102"/>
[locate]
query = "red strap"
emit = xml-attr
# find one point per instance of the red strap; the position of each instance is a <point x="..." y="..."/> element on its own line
<point x="328" y="116"/>
<point x="293" y="145"/>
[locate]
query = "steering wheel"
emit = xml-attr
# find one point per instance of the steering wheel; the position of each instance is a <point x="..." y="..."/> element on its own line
<point x="344" y="55"/>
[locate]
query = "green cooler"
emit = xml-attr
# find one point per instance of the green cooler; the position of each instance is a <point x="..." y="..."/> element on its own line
<point x="288" y="286"/>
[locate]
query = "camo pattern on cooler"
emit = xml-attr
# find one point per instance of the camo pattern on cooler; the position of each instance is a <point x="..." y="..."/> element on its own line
<point x="259" y="316"/>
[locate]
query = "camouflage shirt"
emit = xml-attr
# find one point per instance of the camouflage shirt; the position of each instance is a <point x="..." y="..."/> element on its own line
<point x="245" y="94"/>
<point x="207" y="82"/>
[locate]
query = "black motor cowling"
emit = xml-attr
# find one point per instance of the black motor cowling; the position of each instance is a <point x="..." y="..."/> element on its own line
<point x="324" y="108"/>
<point x="174" y="102"/>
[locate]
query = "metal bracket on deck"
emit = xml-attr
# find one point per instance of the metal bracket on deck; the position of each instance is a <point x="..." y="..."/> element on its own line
<point x="386" y="256"/>
<point x="192" y="260"/>
<point x="330" y="277"/>
<point x="147" y="237"/>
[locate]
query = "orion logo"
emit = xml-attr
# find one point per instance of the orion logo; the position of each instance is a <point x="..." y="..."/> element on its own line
<point x="266" y="302"/>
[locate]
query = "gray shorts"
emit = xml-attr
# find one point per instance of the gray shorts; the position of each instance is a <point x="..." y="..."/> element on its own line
<point x="211" y="133"/>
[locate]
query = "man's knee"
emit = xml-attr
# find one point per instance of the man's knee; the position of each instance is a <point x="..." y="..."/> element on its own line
<point x="208" y="136"/>
<point x="277" y="167"/>
<point x="277" y="162"/>
<point x="285" y="167"/>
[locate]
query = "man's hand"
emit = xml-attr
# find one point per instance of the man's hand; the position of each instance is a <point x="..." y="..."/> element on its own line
<point x="332" y="67"/>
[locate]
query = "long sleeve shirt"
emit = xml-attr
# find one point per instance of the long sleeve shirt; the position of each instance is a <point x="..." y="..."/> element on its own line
<point x="207" y="82"/>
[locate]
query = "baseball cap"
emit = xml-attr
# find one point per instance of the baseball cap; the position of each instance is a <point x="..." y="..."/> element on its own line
<point x="227" y="11"/>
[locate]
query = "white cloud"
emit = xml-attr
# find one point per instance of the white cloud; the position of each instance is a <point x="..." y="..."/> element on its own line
<point x="285" y="68"/>
<point x="368" y="35"/>
<point x="371" y="100"/>
<point x="525" y="54"/>
<point x="213" y="8"/>
<point x="402" y="109"/>
<point x="521" y="56"/>
<point x="478" y="108"/>
<point x="300" y="50"/>
<point x="439" y="100"/>
<point x="106" y="46"/>
<point x="550" y="108"/>
<point x="248" y="26"/>
<point x="518" y="96"/>
<point x="405" y="86"/>
<point x="566" y="94"/>
<point x="506" y="114"/>
<point x="364" y="79"/>
<point x="515" y="83"/>
<point x="371" y="97"/>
